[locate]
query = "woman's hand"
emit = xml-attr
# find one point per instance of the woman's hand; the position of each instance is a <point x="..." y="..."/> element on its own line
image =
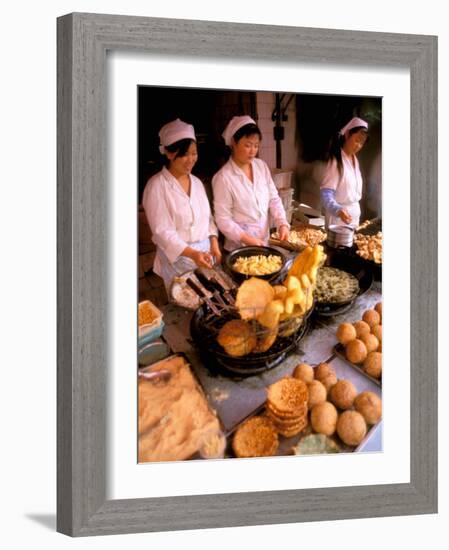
<point x="248" y="240"/>
<point x="215" y="251"/>
<point x="283" y="233"/>
<point x="344" y="216"/>
<point x="202" y="259"/>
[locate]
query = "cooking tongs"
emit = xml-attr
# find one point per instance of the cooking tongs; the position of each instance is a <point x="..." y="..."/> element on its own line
<point x="222" y="284"/>
<point x="204" y="294"/>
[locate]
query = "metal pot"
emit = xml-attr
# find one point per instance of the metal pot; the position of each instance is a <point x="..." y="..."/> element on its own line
<point x="340" y="235"/>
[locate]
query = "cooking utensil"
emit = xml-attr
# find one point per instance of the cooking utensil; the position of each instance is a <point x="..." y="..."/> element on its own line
<point x="220" y="290"/>
<point x="156" y="376"/>
<point x="202" y="292"/>
<point x="340" y="235"/>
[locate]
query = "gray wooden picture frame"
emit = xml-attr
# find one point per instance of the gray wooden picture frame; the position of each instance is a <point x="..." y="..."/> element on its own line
<point x="83" y="41"/>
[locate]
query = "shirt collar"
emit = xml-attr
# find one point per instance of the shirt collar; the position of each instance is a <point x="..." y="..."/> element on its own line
<point x="236" y="169"/>
<point x="174" y="182"/>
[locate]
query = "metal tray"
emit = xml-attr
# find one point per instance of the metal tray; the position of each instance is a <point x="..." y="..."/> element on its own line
<point x="373" y="439"/>
<point x="339" y="351"/>
<point x="160" y="365"/>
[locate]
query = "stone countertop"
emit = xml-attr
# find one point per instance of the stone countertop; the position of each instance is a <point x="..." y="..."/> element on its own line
<point x="235" y="397"/>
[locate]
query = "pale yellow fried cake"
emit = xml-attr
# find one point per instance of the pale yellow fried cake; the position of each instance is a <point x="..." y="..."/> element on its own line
<point x="288" y="395"/>
<point x="253" y="295"/>
<point x="256" y="437"/>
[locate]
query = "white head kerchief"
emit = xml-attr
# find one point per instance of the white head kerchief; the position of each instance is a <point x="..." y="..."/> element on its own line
<point x="234" y="125"/>
<point x="174" y="131"/>
<point x="353" y="123"/>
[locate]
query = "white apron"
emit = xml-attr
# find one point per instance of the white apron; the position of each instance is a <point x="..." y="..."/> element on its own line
<point x="352" y="209"/>
<point x="348" y="189"/>
<point x="168" y="270"/>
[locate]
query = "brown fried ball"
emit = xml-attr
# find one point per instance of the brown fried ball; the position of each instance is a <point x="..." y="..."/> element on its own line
<point x="323" y="370"/>
<point x="356" y="351"/>
<point x="317" y="393"/>
<point x="369" y="405"/>
<point x="329" y="381"/>
<point x="351" y="427"/>
<point x="361" y="328"/>
<point x="324" y="418"/>
<point x="377" y="331"/>
<point x="378" y="308"/>
<point x="371" y="317"/>
<point x="303" y="372"/>
<point x="370" y="341"/>
<point x="373" y="364"/>
<point x="342" y="394"/>
<point x="345" y="333"/>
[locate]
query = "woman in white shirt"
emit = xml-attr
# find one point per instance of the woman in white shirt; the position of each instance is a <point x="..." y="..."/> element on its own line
<point x="244" y="191"/>
<point x="341" y="183"/>
<point x="177" y="208"/>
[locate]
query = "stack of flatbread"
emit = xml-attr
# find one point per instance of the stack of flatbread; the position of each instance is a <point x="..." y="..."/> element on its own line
<point x="287" y="405"/>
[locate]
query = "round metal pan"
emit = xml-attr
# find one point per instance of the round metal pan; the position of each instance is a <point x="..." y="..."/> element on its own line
<point x="353" y="266"/>
<point x="248" y="251"/>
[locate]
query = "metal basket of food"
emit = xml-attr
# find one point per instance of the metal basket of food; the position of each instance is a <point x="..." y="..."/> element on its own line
<point x="253" y="335"/>
<point x="244" y="346"/>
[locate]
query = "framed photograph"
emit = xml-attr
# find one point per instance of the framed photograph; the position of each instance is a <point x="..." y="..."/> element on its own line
<point x="126" y="85"/>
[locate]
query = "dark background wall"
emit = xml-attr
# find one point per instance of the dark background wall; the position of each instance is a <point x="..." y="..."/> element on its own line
<point x="318" y="117"/>
<point x="208" y="110"/>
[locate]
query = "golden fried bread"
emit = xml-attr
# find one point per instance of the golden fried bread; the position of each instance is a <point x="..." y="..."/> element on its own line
<point x="237" y="337"/>
<point x="288" y="395"/>
<point x="256" y="437"/>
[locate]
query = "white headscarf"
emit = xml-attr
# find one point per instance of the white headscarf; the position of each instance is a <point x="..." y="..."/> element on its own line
<point x="353" y="123"/>
<point x="234" y="125"/>
<point x="174" y="131"/>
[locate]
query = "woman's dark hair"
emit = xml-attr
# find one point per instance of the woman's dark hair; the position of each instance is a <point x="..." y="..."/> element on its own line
<point x="247" y="130"/>
<point x="180" y="147"/>
<point x="337" y="144"/>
